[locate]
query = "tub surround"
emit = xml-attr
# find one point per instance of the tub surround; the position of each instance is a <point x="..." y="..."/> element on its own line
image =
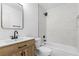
<point x="62" y="50"/>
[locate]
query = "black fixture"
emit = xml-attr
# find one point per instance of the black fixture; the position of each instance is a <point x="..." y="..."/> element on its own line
<point x="43" y="36"/>
<point x="15" y="35"/>
<point x="45" y="13"/>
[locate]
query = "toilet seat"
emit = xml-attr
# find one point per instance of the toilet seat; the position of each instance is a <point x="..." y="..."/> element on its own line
<point x="44" y="51"/>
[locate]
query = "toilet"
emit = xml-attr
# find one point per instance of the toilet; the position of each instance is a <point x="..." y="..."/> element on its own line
<point x="41" y="49"/>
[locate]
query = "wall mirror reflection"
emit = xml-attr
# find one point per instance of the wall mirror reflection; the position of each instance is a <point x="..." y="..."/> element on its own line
<point x="12" y="16"/>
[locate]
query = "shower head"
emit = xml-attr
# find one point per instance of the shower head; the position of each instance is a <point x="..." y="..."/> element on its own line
<point x="45" y="13"/>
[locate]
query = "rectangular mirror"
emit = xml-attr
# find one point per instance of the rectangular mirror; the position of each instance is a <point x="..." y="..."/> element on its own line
<point x="12" y="16"/>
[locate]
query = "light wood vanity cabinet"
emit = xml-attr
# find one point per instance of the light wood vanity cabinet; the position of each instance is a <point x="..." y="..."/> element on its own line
<point x="26" y="48"/>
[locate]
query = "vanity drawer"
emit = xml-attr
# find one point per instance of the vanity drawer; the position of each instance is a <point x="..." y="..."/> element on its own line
<point x="25" y="44"/>
<point x="8" y="50"/>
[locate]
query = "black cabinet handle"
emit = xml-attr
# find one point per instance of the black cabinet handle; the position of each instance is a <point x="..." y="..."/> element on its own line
<point x="19" y="47"/>
<point x="22" y="46"/>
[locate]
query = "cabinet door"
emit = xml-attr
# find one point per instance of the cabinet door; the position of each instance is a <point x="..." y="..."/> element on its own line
<point x="19" y="53"/>
<point x="30" y="51"/>
<point x="33" y="50"/>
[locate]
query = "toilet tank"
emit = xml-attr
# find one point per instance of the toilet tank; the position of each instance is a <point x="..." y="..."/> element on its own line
<point x="38" y="42"/>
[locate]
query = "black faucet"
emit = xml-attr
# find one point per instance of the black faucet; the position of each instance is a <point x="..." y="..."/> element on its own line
<point x="15" y="35"/>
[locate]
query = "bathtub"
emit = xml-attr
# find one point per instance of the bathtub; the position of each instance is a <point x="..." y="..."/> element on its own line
<point x="62" y="50"/>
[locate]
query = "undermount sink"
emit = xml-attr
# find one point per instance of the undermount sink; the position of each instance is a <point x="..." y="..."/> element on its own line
<point x="12" y="41"/>
<point x="20" y="39"/>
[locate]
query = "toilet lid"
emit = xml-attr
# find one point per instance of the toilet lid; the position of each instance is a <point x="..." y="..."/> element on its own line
<point x="44" y="49"/>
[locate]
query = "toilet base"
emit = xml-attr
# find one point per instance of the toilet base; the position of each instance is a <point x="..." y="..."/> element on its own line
<point x="44" y="51"/>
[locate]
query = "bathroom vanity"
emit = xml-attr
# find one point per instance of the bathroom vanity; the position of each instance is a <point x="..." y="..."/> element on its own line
<point x="25" y="47"/>
<point x="12" y="18"/>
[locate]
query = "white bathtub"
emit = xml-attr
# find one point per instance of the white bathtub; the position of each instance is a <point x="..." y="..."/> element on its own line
<point x="62" y="50"/>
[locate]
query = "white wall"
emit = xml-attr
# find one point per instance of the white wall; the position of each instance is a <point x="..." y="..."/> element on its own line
<point x="61" y="24"/>
<point x="42" y="22"/>
<point x="77" y="27"/>
<point x="30" y="22"/>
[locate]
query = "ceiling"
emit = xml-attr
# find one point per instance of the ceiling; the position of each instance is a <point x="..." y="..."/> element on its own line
<point x="50" y="5"/>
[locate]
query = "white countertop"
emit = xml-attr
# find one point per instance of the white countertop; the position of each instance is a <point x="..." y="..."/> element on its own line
<point x="7" y="42"/>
